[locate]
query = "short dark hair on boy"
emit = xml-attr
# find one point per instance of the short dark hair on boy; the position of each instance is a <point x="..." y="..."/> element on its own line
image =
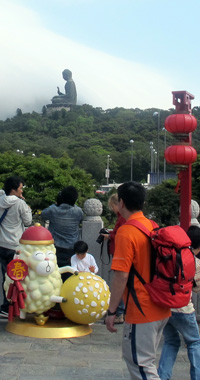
<point x="59" y="199"/>
<point x="69" y="195"/>
<point x="133" y="195"/>
<point x="80" y="247"/>
<point x="194" y="235"/>
<point x="12" y="183"/>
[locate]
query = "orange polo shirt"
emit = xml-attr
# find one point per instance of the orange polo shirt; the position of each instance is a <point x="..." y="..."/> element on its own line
<point x="133" y="247"/>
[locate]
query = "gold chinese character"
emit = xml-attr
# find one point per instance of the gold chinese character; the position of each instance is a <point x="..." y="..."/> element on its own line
<point x="18" y="270"/>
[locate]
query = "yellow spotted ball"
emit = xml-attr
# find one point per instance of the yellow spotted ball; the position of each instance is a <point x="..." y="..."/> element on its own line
<point x="87" y="296"/>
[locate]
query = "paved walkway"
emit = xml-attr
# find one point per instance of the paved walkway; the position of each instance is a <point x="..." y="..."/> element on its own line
<point x="92" y="357"/>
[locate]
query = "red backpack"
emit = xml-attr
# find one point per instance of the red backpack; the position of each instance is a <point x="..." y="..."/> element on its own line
<point x="173" y="266"/>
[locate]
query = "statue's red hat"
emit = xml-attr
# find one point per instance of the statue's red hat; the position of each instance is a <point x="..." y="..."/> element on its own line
<point x="36" y="235"/>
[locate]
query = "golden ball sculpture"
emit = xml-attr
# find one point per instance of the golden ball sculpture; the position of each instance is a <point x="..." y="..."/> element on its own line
<point x="88" y="297"/>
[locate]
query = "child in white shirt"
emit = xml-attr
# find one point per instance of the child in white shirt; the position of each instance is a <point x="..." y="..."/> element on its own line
<point x="82" y="261"/>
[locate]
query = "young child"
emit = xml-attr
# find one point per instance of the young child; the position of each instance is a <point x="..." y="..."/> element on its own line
<point x="82" y="260"/>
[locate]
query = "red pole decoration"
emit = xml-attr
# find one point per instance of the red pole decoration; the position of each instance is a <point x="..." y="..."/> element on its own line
<point x="182" y="124"/>
<point x="17" y="270"/>
<point x="180" y="155"/>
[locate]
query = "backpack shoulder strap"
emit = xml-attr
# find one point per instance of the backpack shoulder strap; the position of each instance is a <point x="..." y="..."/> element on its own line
<point x="131" y="289"/>
<point x="145" y="230"/>
<point x="101" y="253"/>
<point x="141" y="226"/>
<point x="3" y="215"/>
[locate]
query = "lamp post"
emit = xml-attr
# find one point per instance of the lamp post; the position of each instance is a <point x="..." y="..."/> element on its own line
<point x="156" y="161"/>
<point x="131" y="142"/>
<point x="158" y="145"/>
<point x="151" y="150"/>
<point x="107" y="174"/>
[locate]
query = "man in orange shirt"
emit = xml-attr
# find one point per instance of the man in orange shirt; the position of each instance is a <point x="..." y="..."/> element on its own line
<point x="142" y="329"/>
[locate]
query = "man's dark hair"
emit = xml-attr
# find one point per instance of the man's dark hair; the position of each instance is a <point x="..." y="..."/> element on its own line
<point x="194" y="235"/>
<point x="59" y="199"/>
<point x="12" y="183"/>
<point x="80" y="247"/>
<point x="69" y="195"/>
<point x="133" y="195"/>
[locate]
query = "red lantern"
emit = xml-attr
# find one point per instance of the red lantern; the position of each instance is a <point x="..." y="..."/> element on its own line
<point x="180" y="123"/>
<point x="180" y="154"/>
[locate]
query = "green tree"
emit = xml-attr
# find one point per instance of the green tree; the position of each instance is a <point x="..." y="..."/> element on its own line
<point x="19" y="112"/>
<point x="44" y="177"/>
<point x="44" y="110"/>
<point x="93" y="133"/>
<point x="162" y="204"/>
<point x="91" y="162"/>
<point x="196" y="180"/>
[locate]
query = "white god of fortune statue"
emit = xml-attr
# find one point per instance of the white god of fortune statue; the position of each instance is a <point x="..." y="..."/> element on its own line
<point x="42" y="283"/>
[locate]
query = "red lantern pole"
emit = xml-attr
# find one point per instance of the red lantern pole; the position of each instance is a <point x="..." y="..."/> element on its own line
<point x="182" y="125"/>
<point x="186" y="193"/>
<point x="185" y="197"/>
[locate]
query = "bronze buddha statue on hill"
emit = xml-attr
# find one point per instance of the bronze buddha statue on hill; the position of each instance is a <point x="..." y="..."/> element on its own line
<point x="70" y="96"/>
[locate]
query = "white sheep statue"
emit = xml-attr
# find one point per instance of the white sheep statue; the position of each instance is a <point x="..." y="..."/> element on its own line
<point x="43" y="282"/>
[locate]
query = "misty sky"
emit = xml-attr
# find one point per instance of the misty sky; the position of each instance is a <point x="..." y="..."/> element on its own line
<point x="122" y="53"/>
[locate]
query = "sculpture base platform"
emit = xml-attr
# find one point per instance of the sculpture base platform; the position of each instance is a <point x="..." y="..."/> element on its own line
<point x="53" y="329"/>
<point x="57" y="107"/>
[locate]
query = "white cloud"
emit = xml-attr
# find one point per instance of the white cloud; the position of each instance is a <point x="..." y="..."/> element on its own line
<point x="33" y="58"/>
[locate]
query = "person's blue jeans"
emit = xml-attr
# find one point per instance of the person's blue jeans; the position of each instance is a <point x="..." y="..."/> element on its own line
<point x="186" y="325"/>
<point x="6" y="255"/>
<point x="64" y="258"/>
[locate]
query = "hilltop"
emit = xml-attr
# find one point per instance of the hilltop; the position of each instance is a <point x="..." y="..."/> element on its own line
<point x="89" y="134"/>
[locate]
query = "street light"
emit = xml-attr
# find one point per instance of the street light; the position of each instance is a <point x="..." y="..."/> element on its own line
<point x="131" y="142"/>
<point x="151" y="149"/>
<point x="158" y="137"/>
<point x="155" y="161"/>
<point x="107" y="174"/>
